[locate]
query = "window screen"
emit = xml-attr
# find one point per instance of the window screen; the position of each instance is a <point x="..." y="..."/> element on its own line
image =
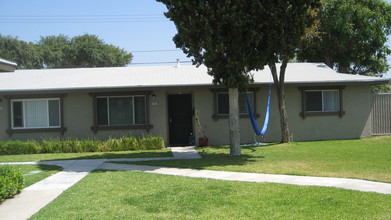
<point x="121" y="110"/>
<point x="17" y="112"/>
<point x="330" y="101"/>
<point x="223" y="103"/>
<point x="40" y="113"/>
<point x="322" y="101"/>
<point x="313" y="100"/>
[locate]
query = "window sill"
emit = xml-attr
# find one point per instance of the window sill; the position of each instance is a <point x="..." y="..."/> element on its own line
<point x="217" y="117"/>
<point x="339" y="113"/>
<point x="32" y="130"/>
<point x="119" y="127"/>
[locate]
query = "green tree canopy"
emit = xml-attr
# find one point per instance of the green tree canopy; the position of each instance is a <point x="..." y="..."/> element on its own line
<point x="55" y="51"/>
<point x="63" y="52"/>
<point x="233" y="38"/>
<point x="26" y="55"/>
<point x="352" y="36"/>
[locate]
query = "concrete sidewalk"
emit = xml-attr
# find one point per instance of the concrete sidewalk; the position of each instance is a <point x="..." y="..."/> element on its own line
<point x="38" y="195"/>
<point x="344" y="183"/>
<point x="179" y="153"/>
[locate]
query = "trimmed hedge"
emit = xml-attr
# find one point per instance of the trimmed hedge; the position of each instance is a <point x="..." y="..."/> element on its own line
<point x="125" y="143"/>
<point x="11" y="182"/>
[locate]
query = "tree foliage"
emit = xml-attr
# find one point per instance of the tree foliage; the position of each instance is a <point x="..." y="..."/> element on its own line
<point x="233" y="38"/>
<point x="26" y="55"/>
<point x="54" y="51"/>
<point x="352" y="36"/>
<point x="63" y="52"/>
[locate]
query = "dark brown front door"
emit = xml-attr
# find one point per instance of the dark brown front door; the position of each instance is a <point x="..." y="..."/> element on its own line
<point x="180" y="119"/>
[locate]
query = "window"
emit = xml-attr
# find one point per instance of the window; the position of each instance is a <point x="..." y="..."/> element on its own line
<point x="120" y="110"/>
<point x="322" y="101"/>
<point x="223" y="103"/>
<point x="113" y="111"/>
<point x="35" y="113"/>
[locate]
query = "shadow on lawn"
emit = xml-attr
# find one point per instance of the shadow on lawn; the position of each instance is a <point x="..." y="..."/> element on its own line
<point x="217" y="156"/>
<point x="115" y="155"/>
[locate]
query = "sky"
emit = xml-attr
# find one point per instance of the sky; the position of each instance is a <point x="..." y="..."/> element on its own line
<point x="134" y="25"/>
<point x="138" y="26"/>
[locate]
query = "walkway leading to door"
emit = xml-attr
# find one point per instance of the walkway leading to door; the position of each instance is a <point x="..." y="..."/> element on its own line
<point x="37" y="196"/>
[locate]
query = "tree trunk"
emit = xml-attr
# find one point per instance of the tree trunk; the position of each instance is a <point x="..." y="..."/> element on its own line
<point x="283" y="116"/>
<point x="329" y="62"/>
<point x="234" y="130"/>
<point x="279" y="83"/>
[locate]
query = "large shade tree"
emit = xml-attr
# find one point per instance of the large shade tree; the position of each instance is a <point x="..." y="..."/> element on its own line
<point x="26" y="55"/>
<point x="233" y="38"/>
<point x="55" y="51"/>
<point x="352" y="36"/>
<point x="63" y="52"/>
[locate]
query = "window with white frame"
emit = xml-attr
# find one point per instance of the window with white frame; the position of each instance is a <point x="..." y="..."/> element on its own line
<point x="35" y="113"/>
<point x="322" y="101"/>
<point x="122" y="110"/>
<point x="223" y="102"/>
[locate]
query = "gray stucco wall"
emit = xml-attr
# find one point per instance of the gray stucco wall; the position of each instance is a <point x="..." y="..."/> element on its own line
<point x="3" y="118"/>
<point x="355" y="123"/>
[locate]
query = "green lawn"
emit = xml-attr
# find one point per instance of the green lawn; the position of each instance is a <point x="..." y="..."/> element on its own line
<point x="363" y="159"/>
<point x="35" y="173"/>
<point x="136" y="195"/>
<point x="89" y="155"/>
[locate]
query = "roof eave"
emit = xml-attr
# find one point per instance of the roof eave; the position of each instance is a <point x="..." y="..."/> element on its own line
<point x="185" y="86"/>
<point x="344" y="82"/>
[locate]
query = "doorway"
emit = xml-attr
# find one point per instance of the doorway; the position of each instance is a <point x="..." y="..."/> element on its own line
<point x="180" y="119"/>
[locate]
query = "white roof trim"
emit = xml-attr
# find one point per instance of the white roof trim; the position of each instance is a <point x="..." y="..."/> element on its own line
<point x="8" y="62"/>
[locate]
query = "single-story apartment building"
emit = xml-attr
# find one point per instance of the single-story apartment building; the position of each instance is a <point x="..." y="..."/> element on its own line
<point x="163" y="100"/>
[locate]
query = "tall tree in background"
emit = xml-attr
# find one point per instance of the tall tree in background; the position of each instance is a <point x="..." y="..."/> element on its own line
<point x="233" y="38"/>
<point x="90" y="51"/>
<point x="26" y="55"/>
<point x="286" y="25"/>
<point x="352" y="36"/>
<point x="63" y="52"/>
<point x="55" y="51"/>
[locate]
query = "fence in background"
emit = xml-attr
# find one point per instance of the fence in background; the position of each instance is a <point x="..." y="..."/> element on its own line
<point x="381" y="114"/>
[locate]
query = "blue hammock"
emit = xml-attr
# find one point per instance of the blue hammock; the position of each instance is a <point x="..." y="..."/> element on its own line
<point x="267" y="116"/>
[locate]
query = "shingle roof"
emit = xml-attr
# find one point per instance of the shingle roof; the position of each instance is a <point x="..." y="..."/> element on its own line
<point x="160" y="76"/>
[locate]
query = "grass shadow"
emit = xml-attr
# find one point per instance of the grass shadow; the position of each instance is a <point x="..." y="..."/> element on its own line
<point x="85" y="155"/>
<point x="116" y="155"/>
<point x="212" y="156"/>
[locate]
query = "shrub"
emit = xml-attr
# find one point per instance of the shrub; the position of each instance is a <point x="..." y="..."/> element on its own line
<point x="49" y="146"/>
<point x="114" y="144"/>
<point x="151" y="143"/>
<point x="55" y="145"/>
<point x="11" y="182"/>
<point x="130" y="143"/>
<point x="19" y="147"/>
<point x="89" y="145"/>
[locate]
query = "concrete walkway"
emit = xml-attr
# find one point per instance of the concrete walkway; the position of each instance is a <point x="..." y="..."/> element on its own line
<point x="38" y="195"/>
<point x="352" y="184"/>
